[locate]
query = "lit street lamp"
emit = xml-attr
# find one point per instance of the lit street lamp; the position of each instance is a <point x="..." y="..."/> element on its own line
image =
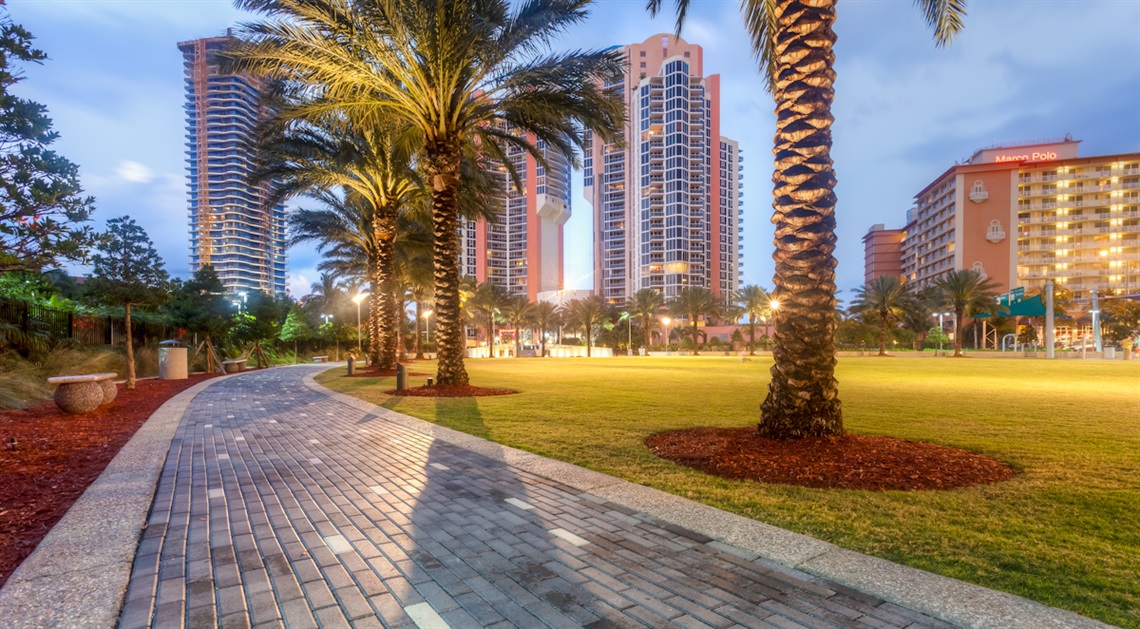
<point x="427" y="324"/>
<point x="668" y="331"/>
<point x="941" y="330"/>
<point x="356" y="300"/>
<point x="629" y="343"/>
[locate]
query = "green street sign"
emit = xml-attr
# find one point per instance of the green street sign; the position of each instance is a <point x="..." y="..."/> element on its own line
<point x="1017" y="294"/>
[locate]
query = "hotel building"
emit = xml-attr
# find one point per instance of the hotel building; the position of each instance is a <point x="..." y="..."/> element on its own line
<point x="1025" y="213"/>
<point x="230" y="226"/>
<point x="522" y="252"/>
<point x="667" y="202"/>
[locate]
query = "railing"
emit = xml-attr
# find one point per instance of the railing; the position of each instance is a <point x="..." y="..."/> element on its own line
<point x="53" y="326"/>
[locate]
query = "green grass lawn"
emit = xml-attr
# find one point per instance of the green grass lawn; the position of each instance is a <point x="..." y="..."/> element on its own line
<point x="1065" y="531"/>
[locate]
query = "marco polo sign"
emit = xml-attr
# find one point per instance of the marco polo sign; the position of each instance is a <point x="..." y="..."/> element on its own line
<point x="1035" y="156"/>
<point x="1026" y="153"/>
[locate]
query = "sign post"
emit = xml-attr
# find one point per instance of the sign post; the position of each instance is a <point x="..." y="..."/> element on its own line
<point x="1049" y="352"/>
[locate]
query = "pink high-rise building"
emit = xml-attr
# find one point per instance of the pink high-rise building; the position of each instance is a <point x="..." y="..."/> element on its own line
<point x="667" y="203"/>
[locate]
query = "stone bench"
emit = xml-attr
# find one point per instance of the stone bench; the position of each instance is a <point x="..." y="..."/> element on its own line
<point x="84" y="393"/>
<point x="234" y="366"/>
<point x="320" y="359"/>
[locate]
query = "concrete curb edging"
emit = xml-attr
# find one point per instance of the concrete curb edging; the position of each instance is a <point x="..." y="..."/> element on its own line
<point x="78" y="574"/>
<point x="953" y="601"/>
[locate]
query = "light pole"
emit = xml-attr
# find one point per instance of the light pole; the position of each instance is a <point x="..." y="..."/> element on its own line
<point x="356" y="300"/>
<point x="941" y="330"/>
<point x="668" y="331"/>
<point x="629" y="343"/>
<point x="427" y="324"/>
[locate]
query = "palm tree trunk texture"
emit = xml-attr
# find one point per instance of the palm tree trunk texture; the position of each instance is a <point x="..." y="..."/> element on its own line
<point x="959" y="321"/>
<point x="696" y="341"/>
<point x="375" y="307"/>
<point x="443" y="167"/>
<point x="751" y="336"/>
<point x="648" y="337"/>
<point x="882" y="334"/>
<point x="130" y="351"/>
<point x="387" y="323"/>
<point x="803" y="396"/>
<point x="419" y="330"/>
<point x="491" y="336"/>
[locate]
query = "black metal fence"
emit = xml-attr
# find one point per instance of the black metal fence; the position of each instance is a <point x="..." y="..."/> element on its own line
<point x="51" y="326"/>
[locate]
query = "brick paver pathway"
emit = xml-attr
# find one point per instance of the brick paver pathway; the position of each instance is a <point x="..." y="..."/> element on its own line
<point x="279" y="506"/>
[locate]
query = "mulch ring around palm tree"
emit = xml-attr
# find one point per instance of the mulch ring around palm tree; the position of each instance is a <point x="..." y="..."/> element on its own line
<point x="873" y="463"/>
<point x="451" y="390"/>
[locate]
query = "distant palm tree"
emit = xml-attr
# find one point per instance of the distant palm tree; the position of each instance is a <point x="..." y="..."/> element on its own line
<point x="587" y="314"/>
<point x="518" y="311"/>
<point x="486" y="307"/>
<point x="757" y="304"/>
<point x="645" y="306"/>
<point x="546" y="317"/>
<point x="968" y="293"/>
<point x="793" y="40"/>
<point x="885" y="300"/>
<point x="366" y="159"/>
<point x="458" y="74"/>
<point x="695" y="303"/>
<point x="325" y="295"/>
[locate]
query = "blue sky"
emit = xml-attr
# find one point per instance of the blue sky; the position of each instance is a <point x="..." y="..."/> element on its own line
<point x="905" y="110"/>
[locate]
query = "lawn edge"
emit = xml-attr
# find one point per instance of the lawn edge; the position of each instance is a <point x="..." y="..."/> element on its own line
<point x="951" y="600"/>
<point x="78" y="574"/>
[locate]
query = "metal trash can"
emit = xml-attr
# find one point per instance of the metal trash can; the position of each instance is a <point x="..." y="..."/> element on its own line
<point x="173" y="361"/>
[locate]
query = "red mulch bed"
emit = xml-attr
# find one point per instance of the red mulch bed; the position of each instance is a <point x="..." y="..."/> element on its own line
<point x="369" y="372"/>
<point x="850" y="462"/>
<point x="451" y="390"/>
<point x="58" y="455"/>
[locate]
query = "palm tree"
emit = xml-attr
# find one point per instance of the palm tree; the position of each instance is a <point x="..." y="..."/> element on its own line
<point x="457" y="74"/>
<point x="793" y="40"/>
<point x="968" y="293"/>
<point x="694" y="303"/>
<point x="546" y="317"/>
<point x="324" y="294"/>
<point x="645" y="306"/>
<point x="369" y="161"/>
<point x="518" y="311"/>
<point x="886" y="300"/>
<point x="485" y="306"/>
<point x="757" y="304"/>
<point x="587" y="314"/>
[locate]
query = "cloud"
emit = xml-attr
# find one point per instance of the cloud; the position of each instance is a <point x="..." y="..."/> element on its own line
<point x="299" y="285"/>
<point x="134" y="172"/>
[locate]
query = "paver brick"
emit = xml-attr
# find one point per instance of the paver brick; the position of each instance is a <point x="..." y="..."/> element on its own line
<point x="423" y="521"/>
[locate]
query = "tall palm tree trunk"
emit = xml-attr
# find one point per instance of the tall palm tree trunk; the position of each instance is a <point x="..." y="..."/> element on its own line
<point x="751" y="335"/>
<point x="376" y="306"/>
<point x="648" y="337"/>
<point x="387" y="323"/>
<point x="803" y="396"/>
<point x="959" y="321"/>
<point x="491" y="336"/>
<point x="883" y="321"/>
<point x="696" y="342"/>
<point x="399" y="315"/>
<point x="443" y="166"/>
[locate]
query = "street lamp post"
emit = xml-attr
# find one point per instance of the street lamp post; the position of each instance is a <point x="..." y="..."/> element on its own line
<point x="941" y="330"/>
<point x="668" y="331"/>
<point x="356" y="300"/>
<point x="427" y="324"/>
<point x="629" y="342"/>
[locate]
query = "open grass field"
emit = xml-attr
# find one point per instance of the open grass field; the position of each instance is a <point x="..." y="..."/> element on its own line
<point x="1065" y="531"/>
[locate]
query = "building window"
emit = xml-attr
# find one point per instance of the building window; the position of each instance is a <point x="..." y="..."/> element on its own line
<point x="980" y="269"/>
<point x="995" y="232"/>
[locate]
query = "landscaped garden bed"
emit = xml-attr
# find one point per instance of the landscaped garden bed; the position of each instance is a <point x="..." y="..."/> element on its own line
<point x="1062" y="530"/>
<point x="49" y="457"/>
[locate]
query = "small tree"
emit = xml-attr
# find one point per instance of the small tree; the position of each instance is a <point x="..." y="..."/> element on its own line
<point x="587" y="314"/>
<point x="695" y="303"/>
<point x="128" y="272"/>
<point x="518" y="311"/>
<point x="259" y="319"/>
<point x="295" y="329"/>
<point x="199" y="305"/>
<point x="41" y="202"/>
<point x="1027" y="335"/>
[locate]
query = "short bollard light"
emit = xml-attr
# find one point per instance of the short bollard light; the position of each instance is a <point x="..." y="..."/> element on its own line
<point x="351" y="364"/>
<point x="401" y="377"/>
<point x="430" y="381"/>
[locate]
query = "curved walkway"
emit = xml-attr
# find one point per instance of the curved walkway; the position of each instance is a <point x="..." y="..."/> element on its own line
<point x="283" y="504"/>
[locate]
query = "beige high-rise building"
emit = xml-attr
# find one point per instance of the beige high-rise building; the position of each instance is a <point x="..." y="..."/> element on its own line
<point x="1025" y="213"/>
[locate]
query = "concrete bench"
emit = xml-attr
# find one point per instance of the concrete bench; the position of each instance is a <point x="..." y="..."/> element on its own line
<point x="320" y="359"/>
<point x="84" y="393"/>
<point x="234" y="366"/>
